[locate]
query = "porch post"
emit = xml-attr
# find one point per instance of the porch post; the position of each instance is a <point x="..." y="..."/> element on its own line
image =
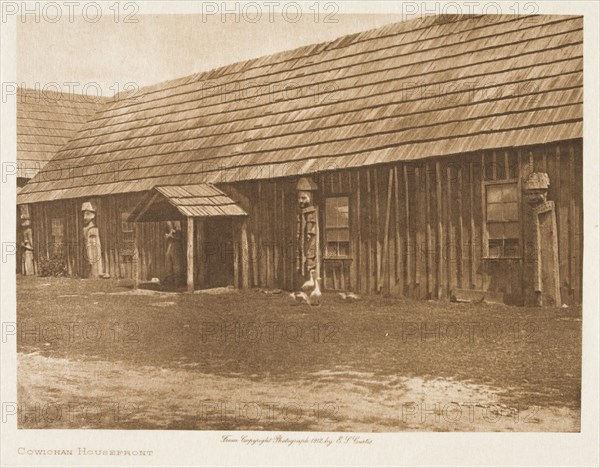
<point x="245" y="255"/>
<point x="190" y="254"/>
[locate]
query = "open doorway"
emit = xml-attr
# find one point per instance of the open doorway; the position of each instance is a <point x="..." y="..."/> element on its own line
<point x="218" y="252"/>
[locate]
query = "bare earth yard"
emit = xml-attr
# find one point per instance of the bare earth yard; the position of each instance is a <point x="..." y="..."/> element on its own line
<point x="95" y="354"/>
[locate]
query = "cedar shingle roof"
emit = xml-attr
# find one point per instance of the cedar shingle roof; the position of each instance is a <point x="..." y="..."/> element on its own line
<point x="46" y="121"/>
<point x="428" y="87"/>
<point x="200" y="200"/>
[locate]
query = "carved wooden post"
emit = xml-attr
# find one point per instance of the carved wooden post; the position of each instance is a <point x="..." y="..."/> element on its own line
<point x="307" y="233"/>
<point x="190" y="254"/>
<point x="27" y="258"/>
<point x="546" y="281"/>
<point x="93" y="246"/>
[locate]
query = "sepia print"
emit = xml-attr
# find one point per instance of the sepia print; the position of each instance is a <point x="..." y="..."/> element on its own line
<point x="377" y="226"/>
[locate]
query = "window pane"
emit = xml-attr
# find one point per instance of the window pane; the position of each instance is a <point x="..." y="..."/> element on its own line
<point x="336" y="212"/>
<point x="344" y="249"/>
<point x="495" y="212"/>
<point x="511" y="247"/>
<point x="511" y="231"/>
<point x="509" y="193"/>
<point x="496" y="230"/>
<point x="511" y="211"/>
<point x="494" y="193"/>
<point x="331" y="249"/>
<point x="495" y="248"/>
<point x="337" y="234"/>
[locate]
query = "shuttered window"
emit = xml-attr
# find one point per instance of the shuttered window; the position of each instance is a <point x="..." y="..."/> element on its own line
<point x="502" y="220"/>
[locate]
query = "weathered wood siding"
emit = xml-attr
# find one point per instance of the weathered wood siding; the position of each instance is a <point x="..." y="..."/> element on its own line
<point x="416" y="229"/>
<point x="118" y="252"/>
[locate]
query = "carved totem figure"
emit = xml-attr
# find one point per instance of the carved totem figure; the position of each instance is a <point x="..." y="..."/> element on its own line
<point x="546" y="282"/>
<point x="307" y="228"/>
<point x="91" y="235"/>
<point x="174" y="254"/>
<point x="27" y="264"/>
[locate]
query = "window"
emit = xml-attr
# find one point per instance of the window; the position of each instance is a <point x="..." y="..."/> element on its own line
<point x="126" y="228"/>
<point x="57" y="232"/>
<point x="502" y="220"/>
<point x="337" y="227"/>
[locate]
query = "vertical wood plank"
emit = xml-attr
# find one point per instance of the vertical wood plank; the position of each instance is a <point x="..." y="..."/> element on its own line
<point x="285" y="219"/>
<point x="450" y="229"/>
<point x="399" y="262"/>
<point x="355" y="240"/>
<point x="409" y="246"/>
<point x="245" y="253"/>
<point x="472" y="253"/>
<point x="440" y="235"/>
<point x="418" y="210"/>
<point x="190" y="254"/>
<point x="359" y="252"/>
<point x="377" y="193"/>
<point x="461" y="234"/>
<point x="428" y="231"/>
<point x="236" y="254"/>
<point x="369" y="230"/>
<point x="201" y="268"/>
<point x="386" y="233"/>
<point x="522" y="172"/>
<point x="573" y="231"/>
<point x="484" y="231"/>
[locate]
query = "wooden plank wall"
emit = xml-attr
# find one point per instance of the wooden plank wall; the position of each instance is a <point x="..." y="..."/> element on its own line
<point x="416" y="227"/>
<point x="116" y="252"/>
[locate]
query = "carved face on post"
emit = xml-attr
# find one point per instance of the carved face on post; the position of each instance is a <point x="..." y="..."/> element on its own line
<point x="89" y="213"/>
<point x="88" y="217"/>
<point x="304" y="199"/>
<point x="536" y="188"/>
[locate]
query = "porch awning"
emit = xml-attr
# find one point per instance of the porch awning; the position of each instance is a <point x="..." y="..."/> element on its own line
<point x="173" y="202"/>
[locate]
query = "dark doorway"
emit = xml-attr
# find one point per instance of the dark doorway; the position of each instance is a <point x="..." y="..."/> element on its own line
<point x="218" y="251"/>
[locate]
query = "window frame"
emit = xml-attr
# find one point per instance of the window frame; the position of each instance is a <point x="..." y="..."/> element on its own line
<point x="124" y="232"/>
<point x="485" y="224"/>
<point x="58" y="248"/>
<point x="327" y="256"/>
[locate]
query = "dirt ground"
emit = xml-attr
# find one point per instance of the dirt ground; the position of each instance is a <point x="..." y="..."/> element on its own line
<point x="95" y="354"/>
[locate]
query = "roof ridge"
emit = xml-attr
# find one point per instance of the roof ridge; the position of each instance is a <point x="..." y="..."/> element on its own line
<point x="342" y="42"/>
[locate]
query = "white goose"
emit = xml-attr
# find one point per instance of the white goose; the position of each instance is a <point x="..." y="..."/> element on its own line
<point x="309" y="285"/>
<point x="315" y="296"/>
